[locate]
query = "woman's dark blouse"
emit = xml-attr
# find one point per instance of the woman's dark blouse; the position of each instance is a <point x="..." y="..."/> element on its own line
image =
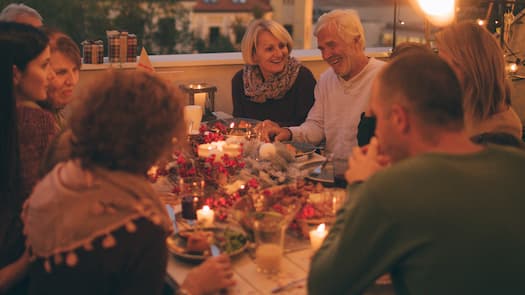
<point x="136" y="265"/>
<point x="291" y="110"/>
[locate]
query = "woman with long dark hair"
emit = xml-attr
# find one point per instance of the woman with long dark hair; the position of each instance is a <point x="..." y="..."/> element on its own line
<point x="25" y="130"/>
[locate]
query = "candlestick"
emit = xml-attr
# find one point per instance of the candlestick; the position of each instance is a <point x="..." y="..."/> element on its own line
<point x="317" y="236"/>
<point x="200" y="99"/>
<point x="205" y="216"/>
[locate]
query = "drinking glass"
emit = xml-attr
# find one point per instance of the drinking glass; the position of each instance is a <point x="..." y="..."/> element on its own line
<point x="192" y="192"/>
<point x="269" y="230"/>
<point x="193" y="117"/>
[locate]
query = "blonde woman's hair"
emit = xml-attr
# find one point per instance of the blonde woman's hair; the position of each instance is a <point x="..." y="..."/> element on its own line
<point x="249" y="40"/>
<point x="479" y="57"/>
<point x="345" y="23"/>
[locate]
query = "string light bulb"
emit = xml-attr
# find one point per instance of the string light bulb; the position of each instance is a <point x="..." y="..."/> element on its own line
<point x="439" y="13"/>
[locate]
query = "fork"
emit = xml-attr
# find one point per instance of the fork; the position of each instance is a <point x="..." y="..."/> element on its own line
<point x="317" y="171"/>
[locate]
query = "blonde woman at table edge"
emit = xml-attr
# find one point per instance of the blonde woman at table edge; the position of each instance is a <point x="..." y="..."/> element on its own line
<point x="476" y="57"/>
<point x="108" y="226"/>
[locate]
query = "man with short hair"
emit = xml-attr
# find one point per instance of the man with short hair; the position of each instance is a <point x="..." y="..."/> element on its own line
<point x="446" y="217"/>
<point x="21" y="13"/>
<point x="342" y="92"/>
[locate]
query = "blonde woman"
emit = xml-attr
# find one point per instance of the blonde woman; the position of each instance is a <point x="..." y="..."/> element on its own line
<point x="477" y="59"/>
<point x="272" y="85"/>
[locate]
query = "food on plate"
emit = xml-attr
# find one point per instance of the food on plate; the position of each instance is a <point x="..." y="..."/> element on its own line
<point x="199" y="241"/>
<point x="244" y="124"/>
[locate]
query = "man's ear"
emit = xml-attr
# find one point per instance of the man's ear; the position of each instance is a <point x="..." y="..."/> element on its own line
<point x="17" y="75"/>
<point x="400" y="118"/>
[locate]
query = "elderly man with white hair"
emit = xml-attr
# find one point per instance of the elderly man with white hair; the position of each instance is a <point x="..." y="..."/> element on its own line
<point x="21" y="13"/>
<point x="342" y="93"/>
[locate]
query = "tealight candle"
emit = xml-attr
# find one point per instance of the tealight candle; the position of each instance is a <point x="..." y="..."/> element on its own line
<point x="317" y="236"/>
<point x="205" y="150"/>
<point x="218" y="148"/>
<point x="205" y="216"/>
<point x="232" y="149"/>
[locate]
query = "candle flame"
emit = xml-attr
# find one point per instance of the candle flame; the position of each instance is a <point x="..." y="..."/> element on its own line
<point x="153" y="170"/>
<point x="205" y="208"/>
<point x="232" y="125"/>
<point x="513" y="68"/>
<point x="321" y="228"/>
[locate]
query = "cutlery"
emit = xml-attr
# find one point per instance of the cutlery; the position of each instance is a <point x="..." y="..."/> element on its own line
<point x="214" y="250"/>
<point x="317" y="171"/>
<point x="171" y="214"/>
<point x="288" y="285"/>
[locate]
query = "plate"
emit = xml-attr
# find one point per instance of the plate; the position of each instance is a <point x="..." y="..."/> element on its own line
<point x="302" y="148"/>
<point x="326" y="176"/>
<point x="229" y="240"/>
<point x="243" y="123"/>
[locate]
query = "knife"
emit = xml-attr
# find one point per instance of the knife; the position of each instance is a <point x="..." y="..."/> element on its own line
<point x="286" y="286"/>
<point x="171" y="214"/>
<point x="215" y="250"/>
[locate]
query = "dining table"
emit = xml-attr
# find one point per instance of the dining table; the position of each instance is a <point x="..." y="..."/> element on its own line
<point x="297" y="251"/>
<point x="291" y="279"/>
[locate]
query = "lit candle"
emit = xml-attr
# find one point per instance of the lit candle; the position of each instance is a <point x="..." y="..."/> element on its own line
<point x="200" y="99"/>
<point x="205" y="150"/>
<point x="232" y="149"/>
<point x="205" y="216"/>
<point x="317" y="236"/>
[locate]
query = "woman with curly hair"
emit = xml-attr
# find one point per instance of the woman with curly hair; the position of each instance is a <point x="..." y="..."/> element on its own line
<point x="94" y="223"/>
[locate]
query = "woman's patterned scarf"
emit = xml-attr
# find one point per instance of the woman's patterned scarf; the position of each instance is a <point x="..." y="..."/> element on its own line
<point x="73" y="206"/>
<point x="275" y="87"/>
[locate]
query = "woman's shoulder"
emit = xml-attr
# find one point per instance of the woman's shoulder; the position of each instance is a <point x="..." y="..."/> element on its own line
<point x="238" y="75"/>
<point x="305" y="74"/>
<point x="34" y="114"/>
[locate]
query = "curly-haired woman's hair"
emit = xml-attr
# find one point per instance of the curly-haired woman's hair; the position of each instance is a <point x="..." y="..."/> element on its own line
<point x="478" y="57"/>
<point x="125" y="121"/>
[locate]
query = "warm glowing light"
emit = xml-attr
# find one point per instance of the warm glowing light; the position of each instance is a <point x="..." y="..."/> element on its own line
<point x="513" y="68"/>
<point x="317" y="236"/>
<point x="321" y="228"/>
<point x="481" y="22"/>
<point x="439" y="13"/>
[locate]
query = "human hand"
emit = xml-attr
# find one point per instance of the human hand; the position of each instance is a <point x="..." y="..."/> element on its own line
<point x="271" y="131"/>
<point x="212" y="275"/>
<point x="365" y="162"/>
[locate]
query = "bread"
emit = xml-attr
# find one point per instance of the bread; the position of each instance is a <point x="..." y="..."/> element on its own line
<point x="199" y="241"/>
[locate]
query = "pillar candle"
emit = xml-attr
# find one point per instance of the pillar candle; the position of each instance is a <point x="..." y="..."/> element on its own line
<point x="317" y="236"/>
<point x="200" y="99"/>
<point x="205" y="216"/>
